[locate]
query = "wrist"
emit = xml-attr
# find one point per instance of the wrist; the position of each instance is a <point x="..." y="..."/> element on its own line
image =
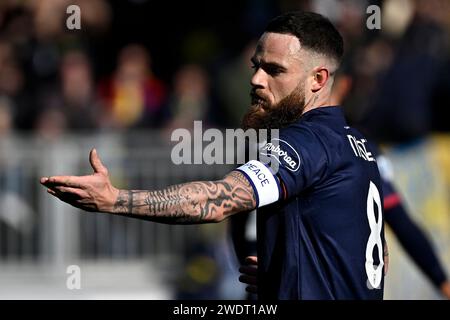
<point x="111" y="202"/>
<point x="121" y="201"/>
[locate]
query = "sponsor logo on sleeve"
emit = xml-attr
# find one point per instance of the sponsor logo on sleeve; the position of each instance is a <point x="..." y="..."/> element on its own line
<point x="283" y="153"/>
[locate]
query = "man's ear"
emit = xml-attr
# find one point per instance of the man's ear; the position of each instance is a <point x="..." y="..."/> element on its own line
<point x="320" y="78"/>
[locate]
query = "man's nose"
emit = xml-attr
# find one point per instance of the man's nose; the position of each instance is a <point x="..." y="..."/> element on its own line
<point x="259" y="79"/>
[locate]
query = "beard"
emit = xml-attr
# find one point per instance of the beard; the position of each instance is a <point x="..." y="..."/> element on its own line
<point x="278" y="116"/>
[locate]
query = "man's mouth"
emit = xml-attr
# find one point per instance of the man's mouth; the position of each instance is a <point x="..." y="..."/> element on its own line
<point x="258" y="101"/>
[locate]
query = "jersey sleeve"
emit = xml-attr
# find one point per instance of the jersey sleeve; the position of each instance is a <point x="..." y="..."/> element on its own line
<point x="416" y="243"/>
<point x="286" y="165"/>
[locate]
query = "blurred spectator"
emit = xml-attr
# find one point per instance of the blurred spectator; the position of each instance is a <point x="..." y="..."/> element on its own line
<point x="234" y="85"/>
<point x="133" y="96"/>
<point x="51" y="122"/>
<point x="78" y="91"/>
<point x="190" y="97"/>
<point x="11" y="77"/>
<point x="12" y="85"/>
<point x="364" y="66"/>
<point x="348" y="15"/>
<point x="403" y="99"/>
<point x="69" y="103"/>
<point x="49" y="16"/>
<point x="6" y="122"/>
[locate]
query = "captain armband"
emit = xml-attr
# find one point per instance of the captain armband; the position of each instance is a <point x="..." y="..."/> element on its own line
<point x="264" y="183"/>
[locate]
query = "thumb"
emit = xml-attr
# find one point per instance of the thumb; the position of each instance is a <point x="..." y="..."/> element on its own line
<point x="96" y="163"/>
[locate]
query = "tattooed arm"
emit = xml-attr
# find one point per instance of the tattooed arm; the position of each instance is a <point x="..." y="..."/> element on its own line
<point x="194" y="202"/>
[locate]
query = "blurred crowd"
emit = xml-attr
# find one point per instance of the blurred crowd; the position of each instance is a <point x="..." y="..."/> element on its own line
<point x="394" y="83"/>
<point x="148" y="64"/>
<point x="54" y="80"/>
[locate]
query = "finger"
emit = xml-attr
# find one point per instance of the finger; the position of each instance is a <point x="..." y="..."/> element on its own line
<point x="252" y="260"/>
<point x="66" y="181"/>
<point x="66" y="197"/>
<point x="70" y="198"/>
<point x="68" y="190"/>
<point x="252" y="289"/>
<point x="96" y="163"/>
<point x="248" y="270"/>
<point x="248" y="279"/>
<point x="77" y="203"/>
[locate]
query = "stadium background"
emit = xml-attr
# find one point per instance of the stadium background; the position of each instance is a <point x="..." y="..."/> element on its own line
<point x="139" y="69"/>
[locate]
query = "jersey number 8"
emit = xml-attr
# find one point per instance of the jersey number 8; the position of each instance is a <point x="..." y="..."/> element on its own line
<point x="374" y="272"/>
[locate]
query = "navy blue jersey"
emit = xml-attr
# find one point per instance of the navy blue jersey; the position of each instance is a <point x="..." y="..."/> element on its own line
<point x="319" y="222"/>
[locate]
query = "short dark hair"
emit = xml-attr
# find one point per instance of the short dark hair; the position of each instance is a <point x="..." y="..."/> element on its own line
<point x="314" y="31"/>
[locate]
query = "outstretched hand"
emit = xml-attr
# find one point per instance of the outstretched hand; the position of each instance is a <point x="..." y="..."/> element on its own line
<point x="91" y="193"/>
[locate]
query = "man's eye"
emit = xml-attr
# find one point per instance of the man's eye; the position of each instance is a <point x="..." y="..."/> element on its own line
<point x="274" y="72"/>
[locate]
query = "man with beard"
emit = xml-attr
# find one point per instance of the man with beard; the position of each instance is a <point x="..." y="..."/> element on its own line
<point x="320" y="229"/>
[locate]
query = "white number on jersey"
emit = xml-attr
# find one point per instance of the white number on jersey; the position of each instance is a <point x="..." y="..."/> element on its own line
<point x="374" y="272"/>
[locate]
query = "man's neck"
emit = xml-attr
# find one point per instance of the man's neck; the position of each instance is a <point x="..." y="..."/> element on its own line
<point x="317" y="101"/>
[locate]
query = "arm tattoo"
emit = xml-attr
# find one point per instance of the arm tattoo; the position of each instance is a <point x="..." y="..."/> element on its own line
<point x="194" y="202"/>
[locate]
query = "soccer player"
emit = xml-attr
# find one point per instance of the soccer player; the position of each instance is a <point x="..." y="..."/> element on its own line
<point x="410" y="235"/>
<point x="320" y="216"/>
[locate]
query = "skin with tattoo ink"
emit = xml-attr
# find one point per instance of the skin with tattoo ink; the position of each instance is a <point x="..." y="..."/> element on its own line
<point x="194" y="202"/>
